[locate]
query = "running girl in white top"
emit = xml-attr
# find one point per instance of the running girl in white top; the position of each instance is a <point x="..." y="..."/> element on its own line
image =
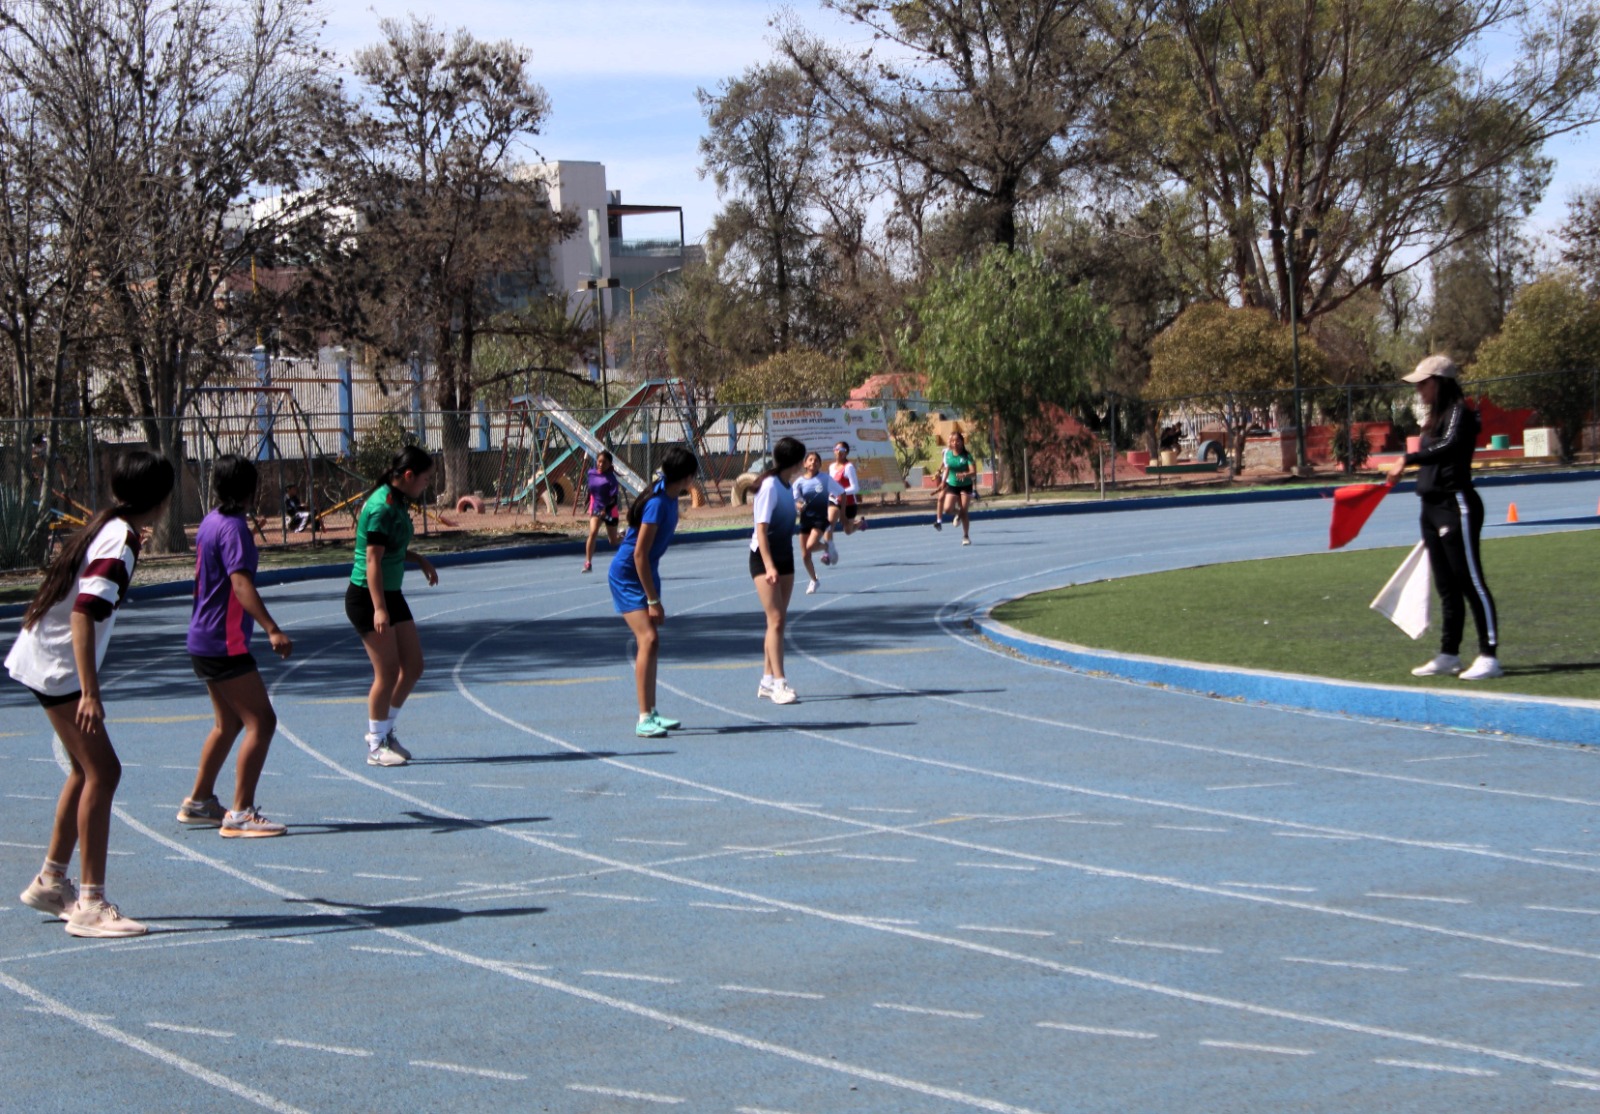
<point x="772" y="562"/>
<point x="848" y="503"/>
<point x="57" y="655"/>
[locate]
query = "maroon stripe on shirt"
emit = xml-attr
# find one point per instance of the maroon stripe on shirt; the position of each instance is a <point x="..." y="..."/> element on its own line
<point x="93" y="606"/>
<point x="111" y="568"/>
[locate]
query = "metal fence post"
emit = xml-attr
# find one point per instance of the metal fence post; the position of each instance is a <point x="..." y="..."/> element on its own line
<point x="483" y="425"/>
<point x="263" y="420"/>
<point x="419" y="426"/>
<point x="347" y="416"/>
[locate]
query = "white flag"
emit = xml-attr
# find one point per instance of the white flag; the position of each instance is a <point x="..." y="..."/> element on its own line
<point x="1407" y="600"/>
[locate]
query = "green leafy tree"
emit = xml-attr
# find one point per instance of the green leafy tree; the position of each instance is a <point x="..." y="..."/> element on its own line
<point x="1554" y="329"/>
<point x="1007" y="338"/>
<point x="799" y="375"/>
<point x="1230" y="358"/>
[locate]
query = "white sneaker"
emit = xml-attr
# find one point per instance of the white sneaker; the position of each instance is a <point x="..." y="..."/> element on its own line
<point x="101" y="920"/>
<point x="1439" y="666"/>
<point x="392" y="741"/>
<point x="783" y="694"/>
<point x="966" y="541"/>
<point x="57" y="897"/>
<point x="383" y="756"/>
<point x="764" y="691"/>
<point x="811" y="589"/>
<point x="1483" y="668"/>
<point x="833" y="553"/>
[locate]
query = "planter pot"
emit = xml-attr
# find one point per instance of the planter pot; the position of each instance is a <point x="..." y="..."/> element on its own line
<point x="1138" y="458"/>
<point x="1169" y="457"/>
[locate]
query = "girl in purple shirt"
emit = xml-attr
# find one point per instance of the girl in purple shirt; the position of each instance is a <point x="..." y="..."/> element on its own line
<point x="604" y="492"/>
<point x="226" y="608"/>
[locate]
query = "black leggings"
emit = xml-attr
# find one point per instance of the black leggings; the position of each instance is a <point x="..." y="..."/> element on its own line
<point x="1457" y="570"/>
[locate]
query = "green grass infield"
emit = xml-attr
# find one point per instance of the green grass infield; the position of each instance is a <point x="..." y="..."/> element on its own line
<point x="1310" y="615"/>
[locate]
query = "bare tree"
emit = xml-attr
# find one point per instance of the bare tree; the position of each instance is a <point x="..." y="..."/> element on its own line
<point x="454" y="238"/>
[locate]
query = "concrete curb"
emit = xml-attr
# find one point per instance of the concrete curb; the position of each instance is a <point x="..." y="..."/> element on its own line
<point x="1567" y="721"/>
<point x="880" y="520"/>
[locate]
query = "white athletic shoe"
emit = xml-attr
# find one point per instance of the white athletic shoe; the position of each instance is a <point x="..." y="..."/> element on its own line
<point x="383" y="756"/>
<point x="966" y="541"/>
<point x="811" y="589"/>
<point x="1442" y="665"/>
<point x="100" y="920"/>
<point x="782" y="693"/>
<point x="392" y="741"/>
<point x="1483" y="668"/>
<point x="764" y="691"/>
<point x="833" y="553"/>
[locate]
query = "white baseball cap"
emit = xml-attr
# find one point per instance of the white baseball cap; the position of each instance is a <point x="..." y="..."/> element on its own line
<point x="1433" y="367"/>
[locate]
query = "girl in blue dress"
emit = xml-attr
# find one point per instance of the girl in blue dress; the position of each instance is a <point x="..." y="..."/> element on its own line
<point x="636" y="582"/>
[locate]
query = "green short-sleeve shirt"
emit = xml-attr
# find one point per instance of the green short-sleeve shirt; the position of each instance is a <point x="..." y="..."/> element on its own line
<point x="384" y="520"/>
<point x="958" y="469"/>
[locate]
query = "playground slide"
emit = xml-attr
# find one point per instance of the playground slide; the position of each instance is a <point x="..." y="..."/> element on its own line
<point x="579" y="434"/>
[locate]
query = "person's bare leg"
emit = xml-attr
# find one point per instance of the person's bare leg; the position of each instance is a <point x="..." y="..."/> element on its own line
<point x="813" y="539"/>
<point x="225" y="728"/>
<point x="64" y="828"/>
<point x="246" y="699"/>
<point x="775" y="603"/>
<point x="644" y="663"/>
<point x="91" y="752"/>
<point x="408" y="644"/>
<point x="594" y="534"/>
<point x="385" y="658"/>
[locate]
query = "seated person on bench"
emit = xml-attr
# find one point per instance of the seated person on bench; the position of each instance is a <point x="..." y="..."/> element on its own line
<point x="294" y="509"/>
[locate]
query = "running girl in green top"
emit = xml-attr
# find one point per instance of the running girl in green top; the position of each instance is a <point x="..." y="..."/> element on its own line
<point x="374" y="605"/>
<point x="960" y="473"/>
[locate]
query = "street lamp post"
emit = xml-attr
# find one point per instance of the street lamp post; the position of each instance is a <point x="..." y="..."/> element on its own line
<point x="1290" y="245"/>
<point x="597" y="285"/>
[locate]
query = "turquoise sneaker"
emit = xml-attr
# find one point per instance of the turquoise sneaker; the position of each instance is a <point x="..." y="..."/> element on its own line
<point x="664" y="721"/>
<point x="650" y="729"/>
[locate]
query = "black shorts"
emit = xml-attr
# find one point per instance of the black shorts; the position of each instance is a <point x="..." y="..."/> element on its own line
<point x="782" y="558"/>
<point x="55" y="701"/>
<point x="358" y="608"/>
<point x="848" y="509"/>
<point x="222" y="667"/>
<point x="812" y="521"/>
<point x="951" y="489"/>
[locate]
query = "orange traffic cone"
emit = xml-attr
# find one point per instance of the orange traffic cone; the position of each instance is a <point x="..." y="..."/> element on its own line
<point x="1511" y="514"/>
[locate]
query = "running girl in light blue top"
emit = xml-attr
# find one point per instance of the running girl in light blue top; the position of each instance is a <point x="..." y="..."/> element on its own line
<point x="813" y="495"/>
<point x="635" y="578"/>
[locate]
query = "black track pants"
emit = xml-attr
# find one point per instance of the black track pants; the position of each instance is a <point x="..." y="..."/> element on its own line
<point x="1451" y="525"/>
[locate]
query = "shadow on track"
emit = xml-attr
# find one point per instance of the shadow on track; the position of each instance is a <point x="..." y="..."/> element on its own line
<point x="361" y="918"/>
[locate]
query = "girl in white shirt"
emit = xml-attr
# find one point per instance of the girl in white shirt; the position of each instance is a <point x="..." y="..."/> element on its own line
<point x="57" y="655"/>
<point x="772" y="561"/>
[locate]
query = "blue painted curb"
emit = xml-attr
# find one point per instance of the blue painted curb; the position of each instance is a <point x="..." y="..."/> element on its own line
<point x="880" y="520"/>
<point x="1568" y="721"/>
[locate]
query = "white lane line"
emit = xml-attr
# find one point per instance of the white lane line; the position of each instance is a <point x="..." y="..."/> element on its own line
<point x="168" y="1027"/>
<point x="384" y="951"/>
<point x="998" y="866"/>
<point x="138" y="1044"/>
<point x="1347" y="964"/>
<point x="1008" y="931"/>
<point x="731" y="908"/>
<point x="27" y="846"/>
<point x="311" y="1046"/>
<point x="489" y="785"/>
<point x="759" y="1110"/>
<point x="41" y="1009"/>
<point x="1317" y="835"/>
<point x="1277" y="1050"/>
<point x="1423" y="1065"/>
<point x="36" y="797"/>
<point x="1249" y="785"/>
<point x="1093" y="823"/>
<point x="462" y="1069"/>
<point x="632" y="977"/>
<point x="1188" y="828"/>
<point x="735" y="987"/>
<point x="1559" y="851"/>
<point x="887" y="920"/>
<point x="619" y="1093"/>
<point x="593" y="793"/>
<point x="676" y="797"/>
<point x="410" y="783"/>
<point x="1418" y="897"/>
<point x="327" y="777"/>
<point x="1575" y="1083"/>
<point x="1449" y="757"/>
<point x="390" y="877"/>
<point x="1094" y="1031"/>
<point x="652" y="842"/>
<point x="614" y="897"/>
<point x="877" y="858"/>
<point x="1563" y="909"/>
<point x="1270" y="886"/>
<point x="1523" y="981"/>
<point x="961" y="1014"/>
<point x="291" y="869"/>
<point x="894" y="811"/>
<point x="1165" y="946"/>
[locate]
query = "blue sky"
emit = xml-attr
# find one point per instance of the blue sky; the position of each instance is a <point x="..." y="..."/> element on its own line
<point x="622" y="77"/>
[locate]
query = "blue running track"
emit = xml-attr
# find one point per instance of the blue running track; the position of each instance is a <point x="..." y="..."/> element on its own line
<point x="948" y="879"/>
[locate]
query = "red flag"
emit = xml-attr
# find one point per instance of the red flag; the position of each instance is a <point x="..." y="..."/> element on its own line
<point x="1352" y="506"/>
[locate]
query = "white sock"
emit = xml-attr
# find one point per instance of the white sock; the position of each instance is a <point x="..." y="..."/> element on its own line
<point x="766" y="680"/>
<point x="379" y="727"/>
<point x="394" y="718"/>
<point x="644" y="716"/>
<point x="90" y="894"/>
<point x="53" y="870"/>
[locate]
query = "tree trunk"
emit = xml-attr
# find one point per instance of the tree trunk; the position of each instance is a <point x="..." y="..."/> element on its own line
<point x="456" y="427"/>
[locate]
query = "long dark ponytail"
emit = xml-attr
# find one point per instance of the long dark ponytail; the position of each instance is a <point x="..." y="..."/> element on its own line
<point x="677" y="463"/>
<point x="785" y="455"/>
<point x="141" y="482"/>
<point x="412" y="458"/>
